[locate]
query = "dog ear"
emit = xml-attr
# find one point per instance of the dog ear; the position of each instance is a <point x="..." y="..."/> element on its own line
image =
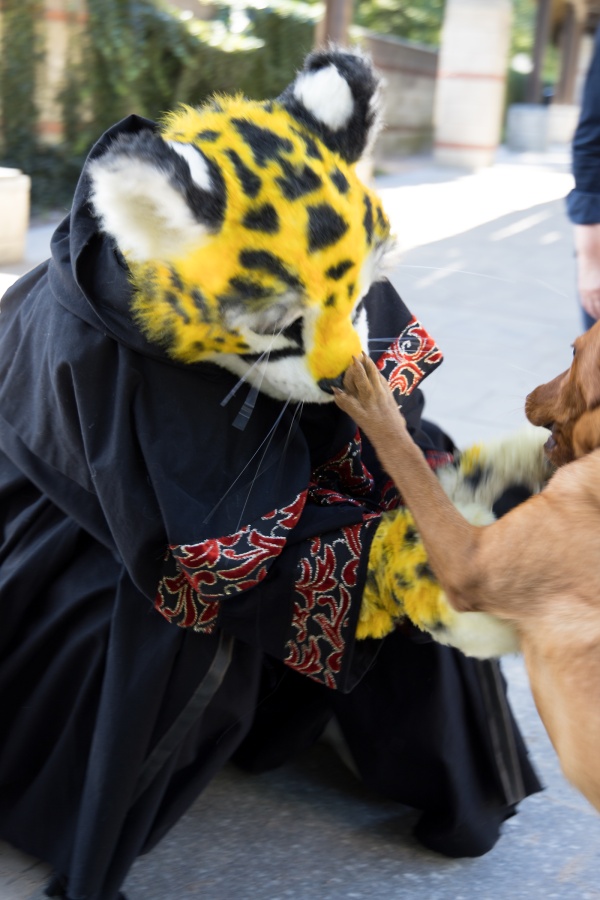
<point x="154" y="197"/>
<point x="586" y="433"/>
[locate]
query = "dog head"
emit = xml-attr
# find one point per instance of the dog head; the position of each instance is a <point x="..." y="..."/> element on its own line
<point x="569" y="405"/>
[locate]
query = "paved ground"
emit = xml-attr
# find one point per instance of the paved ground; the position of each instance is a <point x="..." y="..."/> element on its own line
<point x="488" y="268"/>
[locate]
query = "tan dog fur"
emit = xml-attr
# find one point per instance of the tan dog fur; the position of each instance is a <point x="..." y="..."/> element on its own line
<point x="539" y="565"/>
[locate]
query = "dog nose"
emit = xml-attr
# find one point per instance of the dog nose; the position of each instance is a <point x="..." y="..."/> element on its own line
<point x="327" y="383"/>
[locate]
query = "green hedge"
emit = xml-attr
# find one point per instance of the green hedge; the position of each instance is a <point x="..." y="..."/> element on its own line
<point x="144" y="57"/>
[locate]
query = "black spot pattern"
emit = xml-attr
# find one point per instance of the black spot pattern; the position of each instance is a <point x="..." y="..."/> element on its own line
<point x="174" y="301"/>
<point x="208" y="135"/>
<point x="410" y="535"/>
<point x="264" y="219"/>
<point x="330" y="301"/>
<point x="263" y="261"/>
<point x="368" y="218"/>
<point x="402" y="584"/>
<point x="312" y="149"/>
<point x="264" y="143"/>
<point x="176" y="280"/>
<point x="325" y="227"/>
<point x="423" y="570"/>
<point x="297" y="183"/>
<point x="340" y="181"/>
<point x="337" y="272"/>
<point x="381" y="219"/>
<point x="249" y="180"/>
<point x="200" y="303"/>
<point x="350" y="289"/>
<point x="475" y="477"/>
<point x="245" y="289"/>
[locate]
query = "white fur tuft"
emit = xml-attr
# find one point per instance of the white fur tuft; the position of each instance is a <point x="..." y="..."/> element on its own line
<point x="478" y="634"/>
<point x="475" y="633"/>
<point x="196" y="162"/>
<point x="327" y="95"/>
<point x="141" y="210"/>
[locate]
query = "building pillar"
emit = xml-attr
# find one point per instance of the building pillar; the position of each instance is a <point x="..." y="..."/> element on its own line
<point x="570" y="44"/>
<point x="335" y="24"/>
<point x="533" y="93"/>
<point x="469" y="100"/>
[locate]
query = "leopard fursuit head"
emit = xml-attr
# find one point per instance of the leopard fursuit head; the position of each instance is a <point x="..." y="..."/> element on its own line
<point x="249" y="237"/>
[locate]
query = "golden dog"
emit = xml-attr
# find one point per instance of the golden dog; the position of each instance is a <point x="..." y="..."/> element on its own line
<point x="539" y="565"/>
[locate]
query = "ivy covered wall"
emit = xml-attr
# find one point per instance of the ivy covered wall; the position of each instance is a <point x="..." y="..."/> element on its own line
<point x="125" y="56"/>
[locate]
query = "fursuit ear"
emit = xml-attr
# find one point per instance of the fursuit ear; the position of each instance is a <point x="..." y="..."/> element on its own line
<point x="337" y="96"/>
<point x="586" y="433"/>
<point x="155" y="197"/>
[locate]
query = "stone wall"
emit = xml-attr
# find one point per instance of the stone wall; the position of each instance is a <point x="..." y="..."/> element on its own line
<point x="409" y="72"/>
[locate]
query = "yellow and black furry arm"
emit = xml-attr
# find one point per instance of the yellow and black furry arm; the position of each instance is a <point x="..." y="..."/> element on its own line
<point x="400" y="584"/>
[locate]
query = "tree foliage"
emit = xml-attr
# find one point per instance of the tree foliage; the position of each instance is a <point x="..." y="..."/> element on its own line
<point x="414" y="20"/>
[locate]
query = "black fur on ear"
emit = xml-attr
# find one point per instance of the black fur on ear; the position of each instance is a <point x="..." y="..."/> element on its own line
<point x="154" y="197"/>
<point x="205" y="200"/>
<point x="336" y="96"/>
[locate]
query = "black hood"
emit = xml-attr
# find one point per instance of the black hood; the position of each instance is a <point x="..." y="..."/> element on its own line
<point x="87" y="273"/>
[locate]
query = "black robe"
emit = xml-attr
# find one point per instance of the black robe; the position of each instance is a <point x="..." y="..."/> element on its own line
<point x="130" y="505"/>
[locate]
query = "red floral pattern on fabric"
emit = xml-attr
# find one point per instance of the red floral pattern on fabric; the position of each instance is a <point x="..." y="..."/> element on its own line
<point x="198" y="576"/>
<point x="412" y="356"/>
<point x="342" y="479"/>
<point x="321" y="616"/>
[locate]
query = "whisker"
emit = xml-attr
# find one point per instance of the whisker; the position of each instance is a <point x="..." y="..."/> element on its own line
<point x="521" y="369"/>
<point x="256" y="473"/>
<point x="549" y="286"/>
<point x="256" y="362"/>
<point x="236" y="387"/>
<point x="459" y="272"/>
<point x="243" y="417"/>
<point x="268" y="437"/>
<point x="292" y="428"/>
<point x="516" y="281"/>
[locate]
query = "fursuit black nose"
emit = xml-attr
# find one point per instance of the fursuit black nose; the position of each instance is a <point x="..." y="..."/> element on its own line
<point x="327" y="383"/>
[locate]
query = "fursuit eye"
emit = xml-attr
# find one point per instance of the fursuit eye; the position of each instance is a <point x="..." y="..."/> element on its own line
<point x="294" y="331"/>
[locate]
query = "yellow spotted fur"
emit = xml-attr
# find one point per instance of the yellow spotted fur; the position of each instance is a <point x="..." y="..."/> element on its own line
<point x="198" y="335"/>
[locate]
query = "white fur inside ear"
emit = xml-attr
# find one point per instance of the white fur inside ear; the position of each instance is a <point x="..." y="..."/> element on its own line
<point x="196" y="162"/>
<point x="141" y="210"/>
<point x="327" y="96"/>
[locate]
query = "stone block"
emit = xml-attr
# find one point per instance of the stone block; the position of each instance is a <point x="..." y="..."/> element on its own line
<point x="527" y="127"/>
<point x="14" y="214"/>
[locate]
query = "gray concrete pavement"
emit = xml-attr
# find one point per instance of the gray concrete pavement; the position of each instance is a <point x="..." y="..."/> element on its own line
<point x="488" y="267"/>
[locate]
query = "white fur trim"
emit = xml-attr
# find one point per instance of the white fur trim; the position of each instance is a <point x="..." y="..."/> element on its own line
<point x="516" y="459"/>
<point x="196" y="162"/>
<point x="475" y="633"/>
<point x="139" y="207"/>
<point x="327" y="95"/>
<point x="478" y="634"/>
